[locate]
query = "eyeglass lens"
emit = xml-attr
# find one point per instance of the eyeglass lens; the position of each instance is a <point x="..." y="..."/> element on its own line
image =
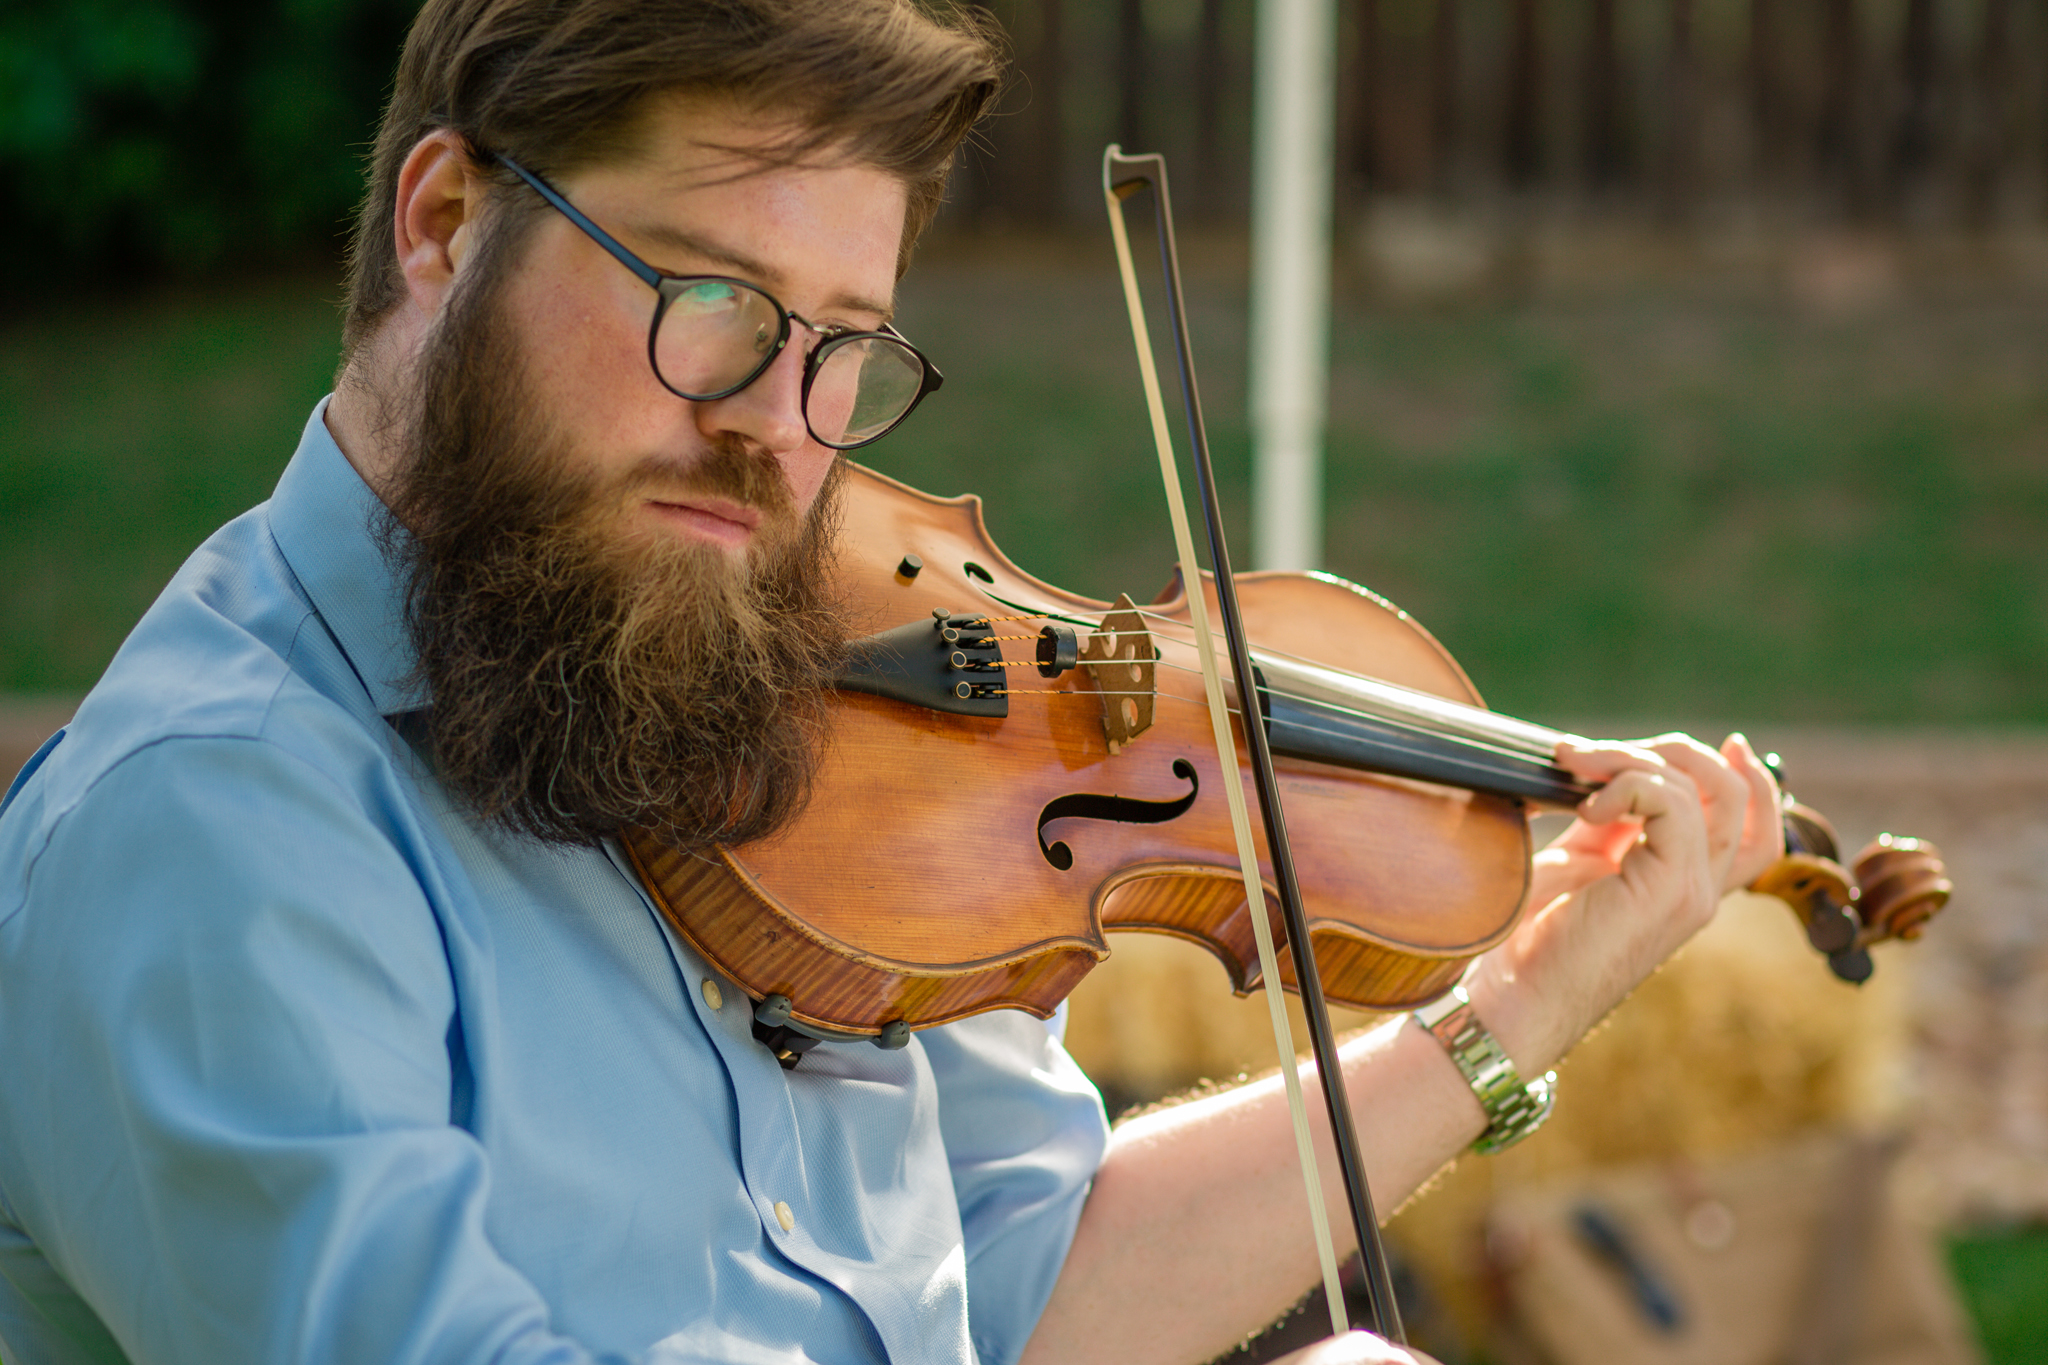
<point x="716" y="334"/>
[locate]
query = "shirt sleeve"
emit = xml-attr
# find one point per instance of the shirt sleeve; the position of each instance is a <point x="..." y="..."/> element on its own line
<point x="226" y="1022"/>
<point x="1024" y="1131"/>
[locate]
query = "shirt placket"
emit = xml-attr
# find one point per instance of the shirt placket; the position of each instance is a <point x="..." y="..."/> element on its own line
<point x="771" y="1158"/>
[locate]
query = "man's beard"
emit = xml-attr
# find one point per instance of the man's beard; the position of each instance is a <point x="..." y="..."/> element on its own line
<point x="583" y="680"/>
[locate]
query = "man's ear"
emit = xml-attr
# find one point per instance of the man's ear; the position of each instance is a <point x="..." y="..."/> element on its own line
<point x="440" y="195"/>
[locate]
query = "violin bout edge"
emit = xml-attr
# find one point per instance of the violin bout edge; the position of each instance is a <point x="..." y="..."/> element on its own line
<point x="1205" y="906"/>
<point x="832" y="986"/>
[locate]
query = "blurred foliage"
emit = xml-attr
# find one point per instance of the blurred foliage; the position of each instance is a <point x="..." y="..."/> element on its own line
<point x="1671" y="508"/>
<point x="112" y="470"/>
<point x="2001" y="1274"/>
<point x="156" y="137"/>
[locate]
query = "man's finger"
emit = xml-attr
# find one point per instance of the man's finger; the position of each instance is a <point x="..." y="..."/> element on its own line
<point x="1597" y="760"/>
<point x="1724" y="796"/>
<point x="1763" y="833"/>
<point x="1356" y="1348"/>
<point x="1639" y="795"/>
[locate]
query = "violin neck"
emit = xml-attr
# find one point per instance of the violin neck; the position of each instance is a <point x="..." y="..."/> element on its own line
<point x="1324" y="715"/>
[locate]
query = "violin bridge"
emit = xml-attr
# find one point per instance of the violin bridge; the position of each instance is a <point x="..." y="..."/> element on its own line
<point x="1118" y="664"/>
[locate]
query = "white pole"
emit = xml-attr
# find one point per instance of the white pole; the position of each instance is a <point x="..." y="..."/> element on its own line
<point x="1294" y="108"/>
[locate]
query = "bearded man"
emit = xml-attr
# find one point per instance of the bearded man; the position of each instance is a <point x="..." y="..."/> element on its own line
<point x="335" y="1025"/>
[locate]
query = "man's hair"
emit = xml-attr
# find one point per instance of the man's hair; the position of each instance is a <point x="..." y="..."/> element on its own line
<point x="562" y="84"/>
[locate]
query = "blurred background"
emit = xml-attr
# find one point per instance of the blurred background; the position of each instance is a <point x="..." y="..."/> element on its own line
<point x="1689" y="368"/>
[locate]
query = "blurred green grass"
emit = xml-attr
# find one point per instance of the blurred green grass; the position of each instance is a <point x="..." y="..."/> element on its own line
<point x="128" y="432"/>
<point x="2003" y="1278"/>
<point x="1659" y="506"/>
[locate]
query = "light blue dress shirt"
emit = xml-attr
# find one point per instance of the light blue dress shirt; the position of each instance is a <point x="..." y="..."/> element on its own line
<point x="298" y="1063"/>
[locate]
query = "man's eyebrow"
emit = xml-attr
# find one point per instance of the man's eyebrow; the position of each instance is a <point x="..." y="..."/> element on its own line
<point x="748" y="267"/>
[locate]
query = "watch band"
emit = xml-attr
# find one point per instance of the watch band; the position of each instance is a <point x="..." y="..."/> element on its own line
<point x="1514" y="1108"/>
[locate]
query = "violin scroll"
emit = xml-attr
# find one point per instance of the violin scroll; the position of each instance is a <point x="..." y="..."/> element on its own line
<point x="1902" y="883"/>
<point x="1897" y="885"/>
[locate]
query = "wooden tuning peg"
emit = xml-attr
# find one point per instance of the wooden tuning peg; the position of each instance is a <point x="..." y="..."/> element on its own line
<point x="1819" y="892"/>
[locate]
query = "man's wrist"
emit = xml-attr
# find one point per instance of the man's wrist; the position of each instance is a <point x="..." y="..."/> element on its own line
<point x="1513" y="1108"/>
<point x="1517" y="1016"/>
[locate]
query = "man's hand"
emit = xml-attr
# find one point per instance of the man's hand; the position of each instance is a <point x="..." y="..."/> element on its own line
<point x="1194" y="1233"/>
<point x="1355" y="1348"/>
<point x="1675" y="827"/>
<point x="1739" y="798"/>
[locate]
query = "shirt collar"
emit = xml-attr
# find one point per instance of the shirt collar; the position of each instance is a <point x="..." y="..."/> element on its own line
<point x="325" y="520"/>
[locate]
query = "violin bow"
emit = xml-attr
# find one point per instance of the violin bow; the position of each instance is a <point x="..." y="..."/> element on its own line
<point x="1122" y="177"/>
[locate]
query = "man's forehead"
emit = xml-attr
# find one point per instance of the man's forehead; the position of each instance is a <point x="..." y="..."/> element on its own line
<point x="739" y="192"/>
<point x="735" y="258"/>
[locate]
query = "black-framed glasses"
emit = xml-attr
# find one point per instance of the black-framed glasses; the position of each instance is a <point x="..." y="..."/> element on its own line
<point x="712" y="335"/>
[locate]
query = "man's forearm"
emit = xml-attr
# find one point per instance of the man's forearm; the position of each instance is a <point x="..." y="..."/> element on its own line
<point x="1197" y="1234"/>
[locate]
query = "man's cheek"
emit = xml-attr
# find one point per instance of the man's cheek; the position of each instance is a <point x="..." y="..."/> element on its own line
<point x="596" y="382"/>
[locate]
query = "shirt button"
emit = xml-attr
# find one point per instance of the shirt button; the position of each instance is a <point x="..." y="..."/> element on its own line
<point x="784" y="1216"/>
<point x="712" y="995"/>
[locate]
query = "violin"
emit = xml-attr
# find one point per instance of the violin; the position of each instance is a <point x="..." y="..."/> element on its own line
<point x="1014" y="770"/>
<point x="977" y="830"/>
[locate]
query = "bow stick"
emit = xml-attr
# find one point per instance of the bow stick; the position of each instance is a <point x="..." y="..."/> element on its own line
<point x="1122" y="177"/>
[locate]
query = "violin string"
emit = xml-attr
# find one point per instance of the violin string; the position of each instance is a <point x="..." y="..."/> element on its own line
<point x="1078" y="663"/>
<point x="1237" y="711"/>
<point x="1146" y="614"/>
<point x="1174" y="636"/>
<point x="1479" y="714"/>
<point x="1321" y="704"/>
<point x="1359" y="713"/>
<point x="1354" y="713"/>
<point x="1323" y="731"/>
<point x="1155" y="694"/>
<point x="1391" y="742"/>
<point x="1187" y="639"/>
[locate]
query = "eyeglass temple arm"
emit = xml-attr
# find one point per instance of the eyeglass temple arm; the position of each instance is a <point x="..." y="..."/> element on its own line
<point x="647" y="273"/>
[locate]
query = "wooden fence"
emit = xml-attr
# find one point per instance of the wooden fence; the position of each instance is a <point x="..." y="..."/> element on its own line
<point x="1915" y="112"/>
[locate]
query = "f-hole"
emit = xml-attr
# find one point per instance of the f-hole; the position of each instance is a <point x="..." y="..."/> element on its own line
<point x="1123" y="809"/>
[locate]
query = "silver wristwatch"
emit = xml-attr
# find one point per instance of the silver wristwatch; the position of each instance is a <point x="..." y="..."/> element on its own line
<point x="1514" y="1108"/>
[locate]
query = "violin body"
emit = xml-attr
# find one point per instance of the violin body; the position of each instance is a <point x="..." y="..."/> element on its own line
<point x="957" y="858"/>
<point x="919" y="886"/>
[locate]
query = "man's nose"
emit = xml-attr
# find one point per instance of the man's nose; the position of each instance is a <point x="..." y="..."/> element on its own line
<point x="768" y="413"/>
